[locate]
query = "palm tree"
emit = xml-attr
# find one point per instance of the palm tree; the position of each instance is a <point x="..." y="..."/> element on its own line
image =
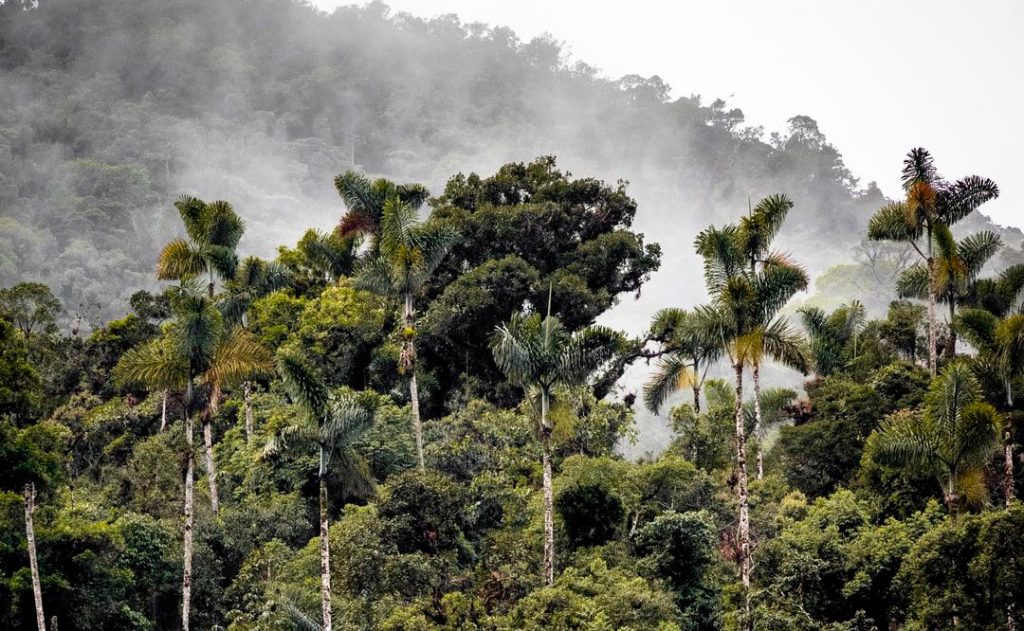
<point x="1000" y="344"/>
<point x="213" y="230"/>
<point x="953" y="438"/>
<point x="177" y="359"/>
<point x="330" y="421"/>
<point x="930" y="202"/>
<point x="957" y="266"/>
<point x="745" y="302"/>
<point x="227" y="356"/>
<point x="254" y="279"/>
<point x="408" y="254"/>
<point x="771" y="339"/>
<point x="689" y="345"/>
<point x="831" y="335"/>
<point x="366" y="200"/>
<point x="539" y="353"/>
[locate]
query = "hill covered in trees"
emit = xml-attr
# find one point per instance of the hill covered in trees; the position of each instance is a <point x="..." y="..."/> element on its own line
<point x="109" y="108"/>
<point x="247" y="384"/>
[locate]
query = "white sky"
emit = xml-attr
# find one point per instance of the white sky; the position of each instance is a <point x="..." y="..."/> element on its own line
<point x="879" y="76"/>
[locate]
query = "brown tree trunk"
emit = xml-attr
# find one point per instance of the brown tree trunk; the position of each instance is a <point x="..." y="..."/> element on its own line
<point x="549" y="505"/>
<point x="325" y="549"/>
<point x="211" y="463"/>
<point x="932" y="321"/>
<point x="247" y="390"/>
<point x="741" y="491"/>
<point x="30" y="535"/>
<point x="186" y="578"/>
<point x="758" y="426"/>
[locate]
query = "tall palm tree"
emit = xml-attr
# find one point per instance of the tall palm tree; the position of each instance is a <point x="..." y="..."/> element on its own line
<point x="177" y="359"/>
<point x="1000" y="344"/>
<point x="408" y="254"/>
<point x="254" y="279"/>
<point x="538" y="353"/>
<point x="228" y="356"/>
<point x="772" y="339"/>
<point x="331" y="422"/>
<point x="832" y="335"/>
<point x="213" y="230"/>
<point x="745" y="303"/>
<point x="930" y="202"/>
<point x="953" y="438"/>
<point x="689" y="345"/>
<point x="957" y="266"/>
<point x="366" y="200"/>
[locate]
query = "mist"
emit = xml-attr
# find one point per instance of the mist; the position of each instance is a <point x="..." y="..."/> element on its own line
<point x="109" y="109"/>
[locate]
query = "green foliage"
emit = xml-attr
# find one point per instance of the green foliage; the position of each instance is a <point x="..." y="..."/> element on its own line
<point x="20" y="387"/>
<point x="969" y="570"/>
<point x="31" y="307"/>
<point x="596" y="597"/>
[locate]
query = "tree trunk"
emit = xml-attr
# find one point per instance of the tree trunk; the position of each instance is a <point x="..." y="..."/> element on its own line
<point x="408" y="362"/>
<point x="951" y="340"/>
<point x="30" y="535"/>
<point x="932" y="323"/>
<point x="211" y="464"/>
<point x="549" y="505"/>
<point x="163" y="412"/>
<point x="247" y="389"/>
<point x="741" y="491"/>
<point x="696" y="399"/>
<point x="953" y="500"/>
<point x="1008" y="490"/>
<point x="325" y="548"/>
<point x="417" y="425"/>
<point x="758" y="426"/>
<point x="186" y="578"/>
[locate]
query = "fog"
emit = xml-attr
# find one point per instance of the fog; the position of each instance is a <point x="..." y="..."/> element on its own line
<point x="111" y="108"/>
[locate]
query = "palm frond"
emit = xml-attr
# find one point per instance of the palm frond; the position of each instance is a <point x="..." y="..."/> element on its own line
<point x="238" y="357"/>
<point x="913" y="282"/>
<point x="977" y="249"/>
<point x="891" y="223"/>
<point x="673" y="374"/>
<point x="303" y="385"/>
<point x="179" y="259"/>
<point x="964" y="197"/>
<point x="154" y="365"/>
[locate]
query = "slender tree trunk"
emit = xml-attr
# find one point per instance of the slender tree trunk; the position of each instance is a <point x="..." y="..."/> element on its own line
<point x="247" y="389"/>
<point x="696" y="398"/>
<point x="549" y="505"/>
<point x="1008" y="490"/>
<point x="932" y="321"/>
<point x="211" y="463"/>
<point x="186" y="578"/>
<point x="163" y="412"/>
<point x="758" y="425"/>
<point x="951" y="340"/>
<point x="30" y="535"/>
<point x="325" y="548"/>
<point x="417" y="424"/>
<point x="741" y="491"/>
<point x="953" y="498"/>
<point x="409" y="362"/>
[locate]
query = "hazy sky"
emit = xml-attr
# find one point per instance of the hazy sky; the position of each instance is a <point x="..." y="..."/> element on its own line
<point x="879" y="76"/>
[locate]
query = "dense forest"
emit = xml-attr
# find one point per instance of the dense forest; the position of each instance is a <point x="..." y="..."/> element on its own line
<point x="304" y="326"/>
